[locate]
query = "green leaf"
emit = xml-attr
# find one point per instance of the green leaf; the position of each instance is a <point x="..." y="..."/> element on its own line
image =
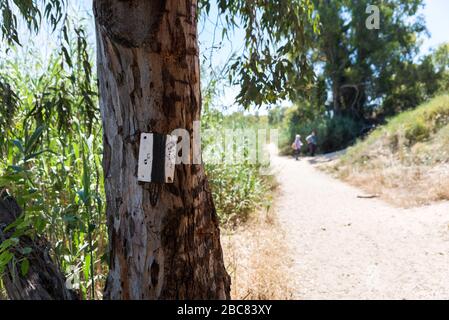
<point x="26" y="250"/>
<point x="33" y="139"/>
<point x="35" y="155"/>
<point x="5" y="258"/>
<point x="19" y="145"/>
<point x="17" y="168"/>
<point x="66" y="56"/>
<point x="86" y="269"/>
<point x="5" y="245"/>
<point x="24" y="267"/>
<point x="40" y="225"/>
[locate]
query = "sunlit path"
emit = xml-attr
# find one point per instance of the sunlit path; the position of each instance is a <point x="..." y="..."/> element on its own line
<point x="345" y="247"/>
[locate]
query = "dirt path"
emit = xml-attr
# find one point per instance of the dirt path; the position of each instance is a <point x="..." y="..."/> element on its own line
<point x="345" y="247"/>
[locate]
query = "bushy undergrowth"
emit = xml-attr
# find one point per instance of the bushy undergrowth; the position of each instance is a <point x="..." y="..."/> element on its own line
<point x="238" y="187"/>
<point x="238" y="190"/>
<point x="51" y="148"/>
<point x="333" y="133"/>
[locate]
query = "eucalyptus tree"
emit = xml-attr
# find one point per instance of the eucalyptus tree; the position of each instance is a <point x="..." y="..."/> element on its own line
<point x="363" y="64"/>
<point x="164" y="238"/>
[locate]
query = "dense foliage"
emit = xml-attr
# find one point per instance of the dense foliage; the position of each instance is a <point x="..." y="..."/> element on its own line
<point x="51" y="160"/>
<point x="365" y="75"/>
<point x="239" y="186"/>
<point x="51" y="148"/>
<point x="278" y="34"/>
<point x="333" y="133"/>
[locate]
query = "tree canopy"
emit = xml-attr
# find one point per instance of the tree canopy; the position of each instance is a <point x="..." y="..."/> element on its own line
<point x="278" y="35"/>
<point x="363" y="66"/>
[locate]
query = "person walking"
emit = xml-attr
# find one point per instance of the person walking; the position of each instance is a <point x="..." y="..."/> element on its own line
<point x="297" y="145"/>
<point x="312" y="142"/>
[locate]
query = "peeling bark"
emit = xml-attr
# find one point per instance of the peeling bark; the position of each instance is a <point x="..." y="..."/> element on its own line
<point x="148" y="70"/>
<point x="43" y="281"/>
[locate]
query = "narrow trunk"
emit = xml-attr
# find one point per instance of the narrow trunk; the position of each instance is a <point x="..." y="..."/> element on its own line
<point x="164" y="238"/>
<point x="336" y="96"/>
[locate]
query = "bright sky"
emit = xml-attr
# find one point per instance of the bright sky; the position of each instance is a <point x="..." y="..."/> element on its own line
<point x="435" y="14"/>
<point x="437" y="20"/>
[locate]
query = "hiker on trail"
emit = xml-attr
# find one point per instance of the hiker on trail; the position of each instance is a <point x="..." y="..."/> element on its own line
<point x="311" y="141"/>
<point x="297" y="145"/>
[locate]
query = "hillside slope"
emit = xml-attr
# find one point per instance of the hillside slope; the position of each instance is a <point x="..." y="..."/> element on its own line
<point x="406" y="161"/>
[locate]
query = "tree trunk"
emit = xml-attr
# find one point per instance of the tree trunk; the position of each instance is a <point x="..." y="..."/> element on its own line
<point x="43" y="280"/>
<point x="164" y="238"/>
<point x="336" y="96"/>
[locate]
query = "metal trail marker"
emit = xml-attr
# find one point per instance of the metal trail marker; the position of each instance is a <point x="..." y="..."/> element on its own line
<point x="157" y="158"/>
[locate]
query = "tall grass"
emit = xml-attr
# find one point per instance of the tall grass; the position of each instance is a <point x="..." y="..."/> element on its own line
<point x="238" y="187"/>
<point x="51" y="151"/>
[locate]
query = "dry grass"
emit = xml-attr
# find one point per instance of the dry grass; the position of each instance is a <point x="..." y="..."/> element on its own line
<point x="400" y="185"/>
<point x="398" y="163"/>
<point x="255" y="256"/>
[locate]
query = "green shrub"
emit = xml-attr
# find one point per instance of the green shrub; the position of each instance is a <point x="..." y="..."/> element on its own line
<point x="237" y="188"/>
<point x="337" y="133"/>
<point x="417" y="131"/>
<point x="333" y="134"/>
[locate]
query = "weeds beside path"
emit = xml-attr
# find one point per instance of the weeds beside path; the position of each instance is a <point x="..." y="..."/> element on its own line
<point x="257" y="259"/>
